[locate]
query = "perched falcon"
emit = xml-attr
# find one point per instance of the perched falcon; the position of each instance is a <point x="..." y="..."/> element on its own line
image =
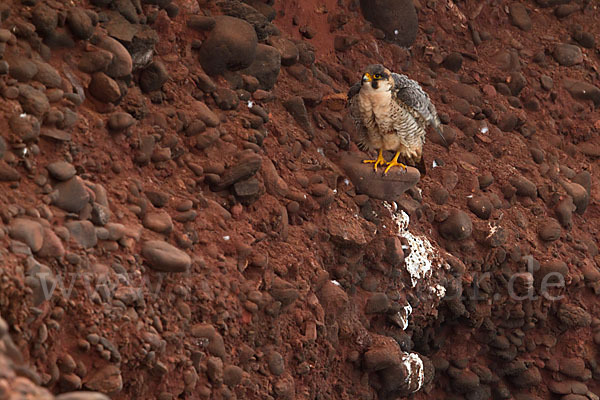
<point x="392" y="112"/>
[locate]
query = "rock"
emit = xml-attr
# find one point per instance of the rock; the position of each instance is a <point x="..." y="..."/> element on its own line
<point x="205" y="114"/>
<point x="287" y="50"/>
<point x="530" y="378"/>
<point x="564" y="211"/>
<point x="72" y="195"/>
<point x="250" y="14"/>
<point x="276" y="363"/>
<point x="25" y="126"/>
<point x="44" y="18"/>
<point x="467" y="92"/>
<point x="245" y="168"/>
<point x="463" y="380"/>
<point x="377" y="303"/>
<point x="481" y="206"/>
<point x="200" y="22"/>
<point x="585" y="39"/>
<point x="517" y="83"/>
<point x="383" y="353"/>
<point x="453" y="61"/>
<point x="61" y="170"/>
<point x="8" y="173"/>
<point x="231" y="45"/>
<point x="580" y="196"/>
<point x="226" y="99"/>
<point x="164" y="257"/>
<point x="214" y="370"/>
<point x="284" y="292"/>
<point x="22" y="69"/>
<point x="153" y="77"/>
<point x="519" y="16"/>
<point x="572" y="316"/>
<point x="266" y="66"/>
<point x="549" y="231"/>
<point x="572" y="367"/>
<point x="396" y="18"/>
<point x="564" y="10"/>
<point x="343" y="43"/>
<point x="28" y="231"/>
<point x="94" y="61"/>
<point x="216" y="345"/>
<point x="120" y="121"/>
<point x="384" y="187"/>
<point x="232" y="375"/>
<point x="82" y="395"/>
<point x="158" y="222"/>
<point x="122" y="64"/>
<point x="80" y="23"/>
<point x="582" y="90"/>
<point x="33" y="101"/>
<point x="457" y="226"/>
<point x="83" y="232"/>
<point x="567" y="54"/>
<point x="52" y="247"/>
<point x="106" y="380"/>
<point x="524" y="186"/>
<point x="104" y="88"/>
<point x="295" y="106"/>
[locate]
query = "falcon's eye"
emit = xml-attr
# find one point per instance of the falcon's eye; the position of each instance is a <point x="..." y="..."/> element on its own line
<point x="377" y="76"/>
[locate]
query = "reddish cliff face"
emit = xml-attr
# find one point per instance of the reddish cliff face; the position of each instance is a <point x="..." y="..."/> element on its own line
<point x="185" y="215"/>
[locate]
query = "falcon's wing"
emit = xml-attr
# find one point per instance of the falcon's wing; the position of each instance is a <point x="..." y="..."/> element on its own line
<point x="361" y="136"/>
<point x="410" y="93"/>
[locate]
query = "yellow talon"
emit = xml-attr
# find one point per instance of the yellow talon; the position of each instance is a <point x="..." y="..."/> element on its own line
<point x="393" y="163"/>
<point x="380" y="160"/>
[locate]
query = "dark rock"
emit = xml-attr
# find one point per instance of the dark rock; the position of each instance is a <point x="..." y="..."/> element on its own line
<point x="384" y="353"/>
<point x="232" y="375"/>
<point x="276" y="363"/>
<point x="244" y="169"/>
<point x="564" y="10"/>
<point x="127" y="10"/>
<point x="3" y="147"/>
<point x="94" y="61"/>
<point x="120" y="121"/>
<point x="205" y="83"/>
<point x="104" y="88"/>
<point x="8" y="173"/>
<point x="200" y="22"/>
<point x="266" y="66"/>
<point x="573" y="316"/>
<point x="517" y="83"/>
<point x="568" y="54"/>
<point x="238" y="9"/>
<point x="28" y="231"/>
<point x="377" y="303"/>
<point x="581" y="197"/>
<point x="25" y="127"/>
<point x="530" y="378"/>
<point x="206" y="115"/>
<point x="550" y="230"/>
<point x="72" y="195"/>
<point x="164" y="257"/>
<point x="564" y="211"/>
<point x="508" y="122"/>
<point x="457" y="226"/>
<point x="153" y="77"/>
<point x="396" y="18"/>
<point x="230" y="45"/>
<point x="287" y="50"/>
<point x="107" y="380"/>
<point x="585" y="39"/>
<point x="80" y="23"/>
<point x="100" y="214"/>
<point x="33" y="101"/>
<point x="468" y="92"/>
<point x="439" y="194"/>
<point x="122" y="63"/>
<point x="44" y="18"/>
<point x="216" y="345"/>
<point x="572" y="367"/>
<point x="158" y="222"/>
<point x="295" y="106"/>
<point x="22" y="69"/>
<point x="384" y="187"/>
<point x="226" y="99"/>
<point x="453" y="61"/>
<point x="524" y="186"/>
<point x="83" y="232"/>
<point x="480" y="206"/>
<point x="343" y="43"/>
<point x="463" y="380"/>
<point x="157" y="198"/>
<point x="61" y="170"/>
<point x="519" y="16"/>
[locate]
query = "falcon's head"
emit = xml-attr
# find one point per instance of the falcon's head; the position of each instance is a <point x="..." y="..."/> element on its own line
<point x="377" y="78"/>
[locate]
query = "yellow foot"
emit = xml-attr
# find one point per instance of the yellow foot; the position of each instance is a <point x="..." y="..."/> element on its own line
<point x="380" y="160"/>
<point x="393" y="163"/>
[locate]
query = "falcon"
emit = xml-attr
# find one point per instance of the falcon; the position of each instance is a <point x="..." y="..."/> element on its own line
<point x="392" y="112"/>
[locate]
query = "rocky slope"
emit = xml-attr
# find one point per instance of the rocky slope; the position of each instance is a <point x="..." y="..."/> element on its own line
<point x="184" y="213"/>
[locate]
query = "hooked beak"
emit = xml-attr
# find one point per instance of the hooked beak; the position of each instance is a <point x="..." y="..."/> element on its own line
<point x="367" y="77"/>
